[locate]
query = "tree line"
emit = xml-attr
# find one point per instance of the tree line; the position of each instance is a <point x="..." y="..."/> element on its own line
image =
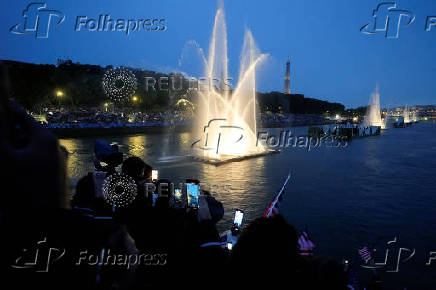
<point x="35" y="85"/>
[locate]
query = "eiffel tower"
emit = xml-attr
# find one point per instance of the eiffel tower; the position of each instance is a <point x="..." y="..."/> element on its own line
<point x="288" y="77"/>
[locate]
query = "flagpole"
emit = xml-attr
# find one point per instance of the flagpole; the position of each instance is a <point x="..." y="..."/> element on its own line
<point x="271" y="205"/>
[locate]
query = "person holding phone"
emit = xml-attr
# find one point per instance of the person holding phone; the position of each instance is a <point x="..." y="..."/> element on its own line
<point x="206" y="255"/>
<point x="140" y="172"/>
<point x="36" y="207"/>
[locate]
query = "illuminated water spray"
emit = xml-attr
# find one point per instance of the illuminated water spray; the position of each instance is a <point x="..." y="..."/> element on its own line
<point x="373" y="115"/>
<point x="406" y="114"/>
<point x="227" y="116"/>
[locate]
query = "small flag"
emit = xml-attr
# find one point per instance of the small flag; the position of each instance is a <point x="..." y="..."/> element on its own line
<point x="306" y="245"/>
<point x="365" y="254"/>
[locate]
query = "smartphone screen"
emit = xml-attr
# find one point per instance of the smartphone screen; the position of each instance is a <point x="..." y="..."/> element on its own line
<point x="239" y="215"/>
<point x="154" y="174"/>
<point x="192" y="192"/>
<point x="177" y="194"/>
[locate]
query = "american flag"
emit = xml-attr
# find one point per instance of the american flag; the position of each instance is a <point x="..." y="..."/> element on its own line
<point x="306" y="245"/>
<point x="274" y="206"/>
<point x="365" y="254"/>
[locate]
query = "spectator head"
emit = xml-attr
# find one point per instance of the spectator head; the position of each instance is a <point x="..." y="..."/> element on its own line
<point x="109" y="154"/>
<point x="327" y="273"/>
<point x="265" y="246"/>
<point x="136" y="168"/>
<point x="85" y="193"/>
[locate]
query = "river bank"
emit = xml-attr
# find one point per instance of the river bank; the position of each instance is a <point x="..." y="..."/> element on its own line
<point x="75" y="132"/>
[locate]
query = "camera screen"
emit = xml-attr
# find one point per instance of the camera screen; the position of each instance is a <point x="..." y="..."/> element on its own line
<point x="192" y="193"/>
<point x="177" y="194"/>
<point x="154" y="174"/>
<point x="238" y="217"/>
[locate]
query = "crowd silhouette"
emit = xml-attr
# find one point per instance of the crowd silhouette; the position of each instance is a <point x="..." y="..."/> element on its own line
<point x="154" y="240"/>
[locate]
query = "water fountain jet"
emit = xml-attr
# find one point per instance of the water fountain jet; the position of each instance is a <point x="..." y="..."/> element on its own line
<point x="226" y="118"/>
<point x="373" y="115"/>
<point x="406" y="115"/>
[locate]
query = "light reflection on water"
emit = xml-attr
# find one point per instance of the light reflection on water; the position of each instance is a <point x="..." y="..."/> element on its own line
<point x="375" y="188"/>
<point x="135" y="145"/>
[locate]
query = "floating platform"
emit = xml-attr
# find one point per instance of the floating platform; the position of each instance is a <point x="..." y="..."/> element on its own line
<point x="402" y="124"/>
<point x="348" y="132"/>
<point x="232" y="158"/>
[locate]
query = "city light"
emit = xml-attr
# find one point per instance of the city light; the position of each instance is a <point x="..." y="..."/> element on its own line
<point x="355" y="119"/>
<point x="135" y="98"/>
<point x="59" y="93"/>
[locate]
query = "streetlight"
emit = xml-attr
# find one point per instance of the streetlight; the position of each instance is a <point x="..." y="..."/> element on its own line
<point x="134" y="98"/>
<point x="59" y="95"/>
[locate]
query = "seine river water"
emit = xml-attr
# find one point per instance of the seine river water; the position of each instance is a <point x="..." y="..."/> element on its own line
<point x="372" y="191"/>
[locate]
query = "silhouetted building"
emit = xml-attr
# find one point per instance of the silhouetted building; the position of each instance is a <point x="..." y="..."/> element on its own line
<point x="64" y="61"/>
